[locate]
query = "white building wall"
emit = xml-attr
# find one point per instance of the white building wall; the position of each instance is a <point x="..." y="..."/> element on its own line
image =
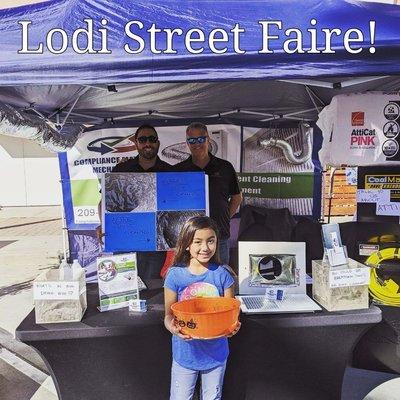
<point x="29" y="176"/>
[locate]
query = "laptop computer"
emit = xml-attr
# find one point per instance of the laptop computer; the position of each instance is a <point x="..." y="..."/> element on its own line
<point x="259" y="304"/>
<point x="277" y="265"/>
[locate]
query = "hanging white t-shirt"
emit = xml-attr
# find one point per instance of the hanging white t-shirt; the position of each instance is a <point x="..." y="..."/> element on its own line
<point x="361" y="129"/>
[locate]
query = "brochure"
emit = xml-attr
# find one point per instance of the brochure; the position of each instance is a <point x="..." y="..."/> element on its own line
<point x="118" y="280"/>
<point x="333" y="244"/>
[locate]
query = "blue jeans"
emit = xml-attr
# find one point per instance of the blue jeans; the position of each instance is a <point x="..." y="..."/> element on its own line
<point x="223" y="247"/>
<point x="183" y="382"/>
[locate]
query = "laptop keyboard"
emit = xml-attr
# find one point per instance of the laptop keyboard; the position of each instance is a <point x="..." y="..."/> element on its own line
<point x="290" y="303"/>
<point x="258" y="302"/>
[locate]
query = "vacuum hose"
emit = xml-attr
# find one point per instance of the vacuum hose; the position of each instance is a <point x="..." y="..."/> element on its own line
<point x="287" y="148"/>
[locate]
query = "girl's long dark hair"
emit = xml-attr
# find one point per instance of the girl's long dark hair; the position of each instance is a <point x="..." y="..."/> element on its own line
<point x="185" y="239"/>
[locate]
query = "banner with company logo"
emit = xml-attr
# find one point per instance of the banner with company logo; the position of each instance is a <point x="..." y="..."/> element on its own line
<point x="378" y="194"/>
<point x="361" y="129"/>
<point x="81" y="168"/>
<point x="96" y="152"/>
<point x="279" y="170"/>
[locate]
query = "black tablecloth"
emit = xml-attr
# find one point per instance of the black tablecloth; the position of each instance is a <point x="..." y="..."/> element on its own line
<point x="122" y="355"/>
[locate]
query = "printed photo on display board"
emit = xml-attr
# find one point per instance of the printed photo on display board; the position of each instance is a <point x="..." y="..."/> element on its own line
<point x="146" y="211"/>
<point x="278" y="170"/>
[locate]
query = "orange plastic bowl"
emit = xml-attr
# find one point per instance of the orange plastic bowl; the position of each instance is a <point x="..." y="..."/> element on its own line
<point x="207" y="317"/>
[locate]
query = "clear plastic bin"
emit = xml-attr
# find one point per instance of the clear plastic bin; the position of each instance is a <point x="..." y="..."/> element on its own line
<point x="57" y="300"/>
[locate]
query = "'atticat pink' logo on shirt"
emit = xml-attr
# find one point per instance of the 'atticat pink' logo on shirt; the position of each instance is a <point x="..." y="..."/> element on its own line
<point x="199" y="289"/>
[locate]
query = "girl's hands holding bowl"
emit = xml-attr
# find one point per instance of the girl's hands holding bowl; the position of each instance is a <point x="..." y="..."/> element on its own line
<point x="235" y="331"/>
<point x="171" y="325"/>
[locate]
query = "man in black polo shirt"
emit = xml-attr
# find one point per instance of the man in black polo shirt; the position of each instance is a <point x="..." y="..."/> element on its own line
<point x="225" y="195"/>
<point x="147" y="145"/>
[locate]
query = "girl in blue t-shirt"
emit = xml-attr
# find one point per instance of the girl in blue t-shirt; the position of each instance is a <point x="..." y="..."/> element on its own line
<point x="197" y="272"/>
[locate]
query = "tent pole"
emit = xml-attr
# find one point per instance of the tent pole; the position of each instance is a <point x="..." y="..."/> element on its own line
<point x="64" y="228"/>
<point x="257" y="113"/>
<point x="146" y="114"/>
<point x="298" y="118"/>
<point x="31" y="108"/>
<point x="91" y="117"/>
<point x="311" y="82"/>
<point x="310" y="94"/>
<point x="358" y="81"/>
<point x="64" y="224"/>
<point x="69" y="112"/>
<point x="241" y="149"/>
<point x="332" y="176"/>
<point x="223" y="114"/>
<point x="298" y="112"/>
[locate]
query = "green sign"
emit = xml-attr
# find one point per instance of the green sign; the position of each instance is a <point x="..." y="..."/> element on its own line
<point x="277" y="186"/>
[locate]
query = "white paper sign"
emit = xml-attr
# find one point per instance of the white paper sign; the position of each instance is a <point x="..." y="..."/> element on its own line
<point x="86" y="215"/>
<point x="351" y="176"/>
<point x="373" y="195"/>
<point x="367" y="249"/>
<point x="349" y="277"/>
<point x="56" y="290"/>
<point x="388" y="208"/>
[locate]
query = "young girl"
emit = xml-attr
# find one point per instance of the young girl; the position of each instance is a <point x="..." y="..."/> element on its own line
<point x="196" y="272"/>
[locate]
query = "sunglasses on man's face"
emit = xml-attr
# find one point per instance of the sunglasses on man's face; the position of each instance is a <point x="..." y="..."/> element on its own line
<point x="194" y="140"/>
<point x="145" y="139"/>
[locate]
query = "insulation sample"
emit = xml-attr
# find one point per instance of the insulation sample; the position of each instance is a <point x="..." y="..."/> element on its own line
<point x="169" y="225"/>
<point x="56" y="307"/>
<point x="350" y="294"/>
<point x="126" y="192"/>
<point x="146" y="211"/>
<point x="27" y="126"/>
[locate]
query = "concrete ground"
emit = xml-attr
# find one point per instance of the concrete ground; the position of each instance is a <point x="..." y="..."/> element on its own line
<point x="30" y="242"/>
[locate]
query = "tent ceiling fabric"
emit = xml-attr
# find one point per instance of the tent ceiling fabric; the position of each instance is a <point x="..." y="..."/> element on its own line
<point x="181" y="100"/>
<point x="71" y="88"/>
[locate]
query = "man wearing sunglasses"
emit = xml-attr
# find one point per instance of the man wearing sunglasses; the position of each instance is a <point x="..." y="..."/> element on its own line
<point x="147" y="145"/>
<point x="225" y="195"/>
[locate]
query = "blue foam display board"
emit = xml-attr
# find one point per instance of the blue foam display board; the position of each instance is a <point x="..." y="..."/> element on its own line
<point x="130" y="232"/>
<point x="181" y="191"/>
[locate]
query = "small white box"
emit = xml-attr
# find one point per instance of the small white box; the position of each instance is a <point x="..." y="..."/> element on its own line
<point x="57" y="300"/>
<point x="340" y="288"/>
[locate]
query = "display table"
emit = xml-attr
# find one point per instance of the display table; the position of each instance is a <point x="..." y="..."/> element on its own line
<point x="120" y="355"/>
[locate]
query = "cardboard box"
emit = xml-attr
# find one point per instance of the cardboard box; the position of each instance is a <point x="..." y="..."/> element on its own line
<point x="340" y="288"/>
<point x="58" y="300"/>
